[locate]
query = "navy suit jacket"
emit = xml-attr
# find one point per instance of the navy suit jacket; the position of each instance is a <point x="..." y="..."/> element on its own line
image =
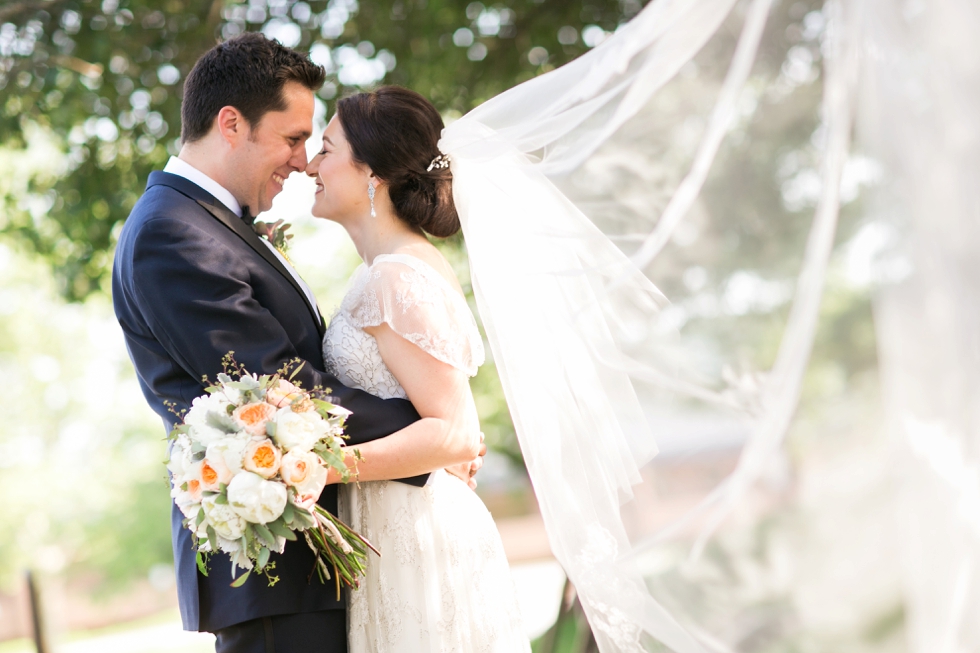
<point x="191" y="282"/>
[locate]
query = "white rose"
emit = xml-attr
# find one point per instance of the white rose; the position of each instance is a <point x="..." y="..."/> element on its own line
<point x="304" y="471"/>
<point x="191" y="481"/>
<point x="297" y="430"/>
<point x="180" y="456"/>
<point x="223" y="519"/>
<point x="257" y="500"/>
<point x="185" y="502"/>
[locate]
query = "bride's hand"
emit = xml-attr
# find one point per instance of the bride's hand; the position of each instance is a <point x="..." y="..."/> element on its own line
<point x="466" y="472"/>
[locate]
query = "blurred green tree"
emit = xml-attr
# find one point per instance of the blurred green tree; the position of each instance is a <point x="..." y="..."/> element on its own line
<point x="104" y="78"/>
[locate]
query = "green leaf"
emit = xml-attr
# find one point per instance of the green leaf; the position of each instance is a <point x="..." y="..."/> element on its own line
<point x="263" y="559"/>
<point x="288" y="513"/>
<point x="280" y="529"/>
<point x="221" y="499"/>
<point x="238" y="582"/>
<point x="202" y="563"/>
<point x="221" y="422"/>
<point x="264" y="534"/>
<point x="302" y="520"/>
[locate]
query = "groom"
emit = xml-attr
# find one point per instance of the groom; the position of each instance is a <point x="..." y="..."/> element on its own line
<point x="192" y="281"/>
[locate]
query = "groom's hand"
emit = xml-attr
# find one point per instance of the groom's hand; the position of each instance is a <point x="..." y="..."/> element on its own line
<point x="466" y="472"/>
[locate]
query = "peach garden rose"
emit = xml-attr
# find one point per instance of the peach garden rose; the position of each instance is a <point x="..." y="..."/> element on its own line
<point x="262" y="457"/>
<point x="253" y="417"/>
<point x="249" y="461"/>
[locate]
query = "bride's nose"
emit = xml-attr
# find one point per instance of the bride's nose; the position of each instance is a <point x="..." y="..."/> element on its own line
<point x="311" y="168"/>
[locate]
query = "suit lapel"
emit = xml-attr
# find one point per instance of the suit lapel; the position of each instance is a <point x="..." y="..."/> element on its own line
<point x="236" y="224"/>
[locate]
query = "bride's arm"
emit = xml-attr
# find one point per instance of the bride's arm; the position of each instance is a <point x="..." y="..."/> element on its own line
<point x="448" y="433"/>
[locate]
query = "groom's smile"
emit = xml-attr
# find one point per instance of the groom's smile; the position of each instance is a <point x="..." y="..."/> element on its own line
<point x="275" y="148"/>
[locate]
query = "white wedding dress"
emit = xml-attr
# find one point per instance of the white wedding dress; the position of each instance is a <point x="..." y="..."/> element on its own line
<point x="442" y="583"/>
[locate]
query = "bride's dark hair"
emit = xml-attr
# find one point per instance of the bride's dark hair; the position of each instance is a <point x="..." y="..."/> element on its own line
<point x="395" y="131"/>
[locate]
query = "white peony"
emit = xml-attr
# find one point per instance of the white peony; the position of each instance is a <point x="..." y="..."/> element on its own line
<point x="257" y="500"/>
<point x="201" y="406"/>
<point x="205" y="434"/>
<point x="298" y="431"/>
<point x="224" y="520"/>
<point x="227" y="453"/>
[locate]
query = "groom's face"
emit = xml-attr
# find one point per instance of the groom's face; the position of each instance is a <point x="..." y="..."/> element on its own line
<point x="274" y="149"/>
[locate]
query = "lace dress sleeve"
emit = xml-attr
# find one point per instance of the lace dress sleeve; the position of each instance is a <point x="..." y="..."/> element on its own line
<point x="420" y="306"/>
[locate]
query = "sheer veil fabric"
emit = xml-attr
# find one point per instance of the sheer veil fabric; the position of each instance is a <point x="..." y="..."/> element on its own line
<point x="573" y="321"/>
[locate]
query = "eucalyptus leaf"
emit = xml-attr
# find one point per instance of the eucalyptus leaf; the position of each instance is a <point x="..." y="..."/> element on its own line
<point x="264" y="534"/>
<point x="238" y="582"/>
<point x="263" y="558"/>
<point x="280" y="529"/>
<point x="221" y="422"/>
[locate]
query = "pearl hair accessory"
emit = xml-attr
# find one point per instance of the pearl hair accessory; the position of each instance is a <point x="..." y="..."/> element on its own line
<point x="441" y="162"/>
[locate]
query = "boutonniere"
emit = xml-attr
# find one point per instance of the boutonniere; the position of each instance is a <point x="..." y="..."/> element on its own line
<point x="276" y="234"/>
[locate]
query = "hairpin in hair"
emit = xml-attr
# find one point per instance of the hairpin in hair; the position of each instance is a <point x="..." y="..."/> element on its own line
<point x="440" y="162"/>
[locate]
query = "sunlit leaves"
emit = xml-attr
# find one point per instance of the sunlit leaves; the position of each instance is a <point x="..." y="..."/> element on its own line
<point x="105" y="78"/>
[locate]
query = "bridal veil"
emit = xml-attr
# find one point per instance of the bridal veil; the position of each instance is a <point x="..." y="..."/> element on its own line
<point x="587" y="346"/>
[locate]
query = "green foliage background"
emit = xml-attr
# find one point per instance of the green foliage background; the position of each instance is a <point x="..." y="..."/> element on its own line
<point x="104" y="80"/>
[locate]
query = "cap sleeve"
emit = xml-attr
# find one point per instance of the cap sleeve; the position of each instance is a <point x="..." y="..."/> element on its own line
<point x="420" y="306"/>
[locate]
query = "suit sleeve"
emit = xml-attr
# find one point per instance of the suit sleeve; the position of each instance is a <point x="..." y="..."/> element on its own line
<point x="210" y="309"/>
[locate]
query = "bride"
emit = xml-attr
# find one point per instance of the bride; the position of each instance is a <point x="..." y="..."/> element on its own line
<point x="404" y="330"/>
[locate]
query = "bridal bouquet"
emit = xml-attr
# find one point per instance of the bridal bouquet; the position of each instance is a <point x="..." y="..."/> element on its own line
<point x="249" y="462"/>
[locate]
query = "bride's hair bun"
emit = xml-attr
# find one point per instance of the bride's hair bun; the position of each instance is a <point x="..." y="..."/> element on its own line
<point x="395" y="131"/>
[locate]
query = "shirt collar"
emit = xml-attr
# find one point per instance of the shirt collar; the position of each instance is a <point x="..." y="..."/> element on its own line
<point x="183" y="169"/>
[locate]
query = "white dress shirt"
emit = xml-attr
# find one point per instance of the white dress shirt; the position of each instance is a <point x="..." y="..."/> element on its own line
<point x="183" y="169"/>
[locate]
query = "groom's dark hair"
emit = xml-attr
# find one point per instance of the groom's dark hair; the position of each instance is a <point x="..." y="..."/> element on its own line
<point x="247" y="72"/>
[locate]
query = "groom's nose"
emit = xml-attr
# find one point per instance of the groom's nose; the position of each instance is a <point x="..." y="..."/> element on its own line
<point x="297" y="160"/>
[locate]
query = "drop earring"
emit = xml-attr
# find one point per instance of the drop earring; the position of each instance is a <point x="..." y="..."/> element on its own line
<point x="371" y="197"/>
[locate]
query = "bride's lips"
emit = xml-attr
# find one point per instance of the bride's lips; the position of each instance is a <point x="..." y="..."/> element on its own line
<point x="319" y="187"/>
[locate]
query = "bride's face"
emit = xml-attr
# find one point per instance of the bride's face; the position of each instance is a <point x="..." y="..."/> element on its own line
<point x="341" y="183"/>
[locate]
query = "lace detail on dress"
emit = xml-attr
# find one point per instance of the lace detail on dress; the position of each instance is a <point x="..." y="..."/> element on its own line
<point x="418" y="304"/>
<point x="443" y="584"/>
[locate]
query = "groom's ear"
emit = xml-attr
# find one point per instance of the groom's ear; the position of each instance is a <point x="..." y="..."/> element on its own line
<point x="231" y="125"/>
